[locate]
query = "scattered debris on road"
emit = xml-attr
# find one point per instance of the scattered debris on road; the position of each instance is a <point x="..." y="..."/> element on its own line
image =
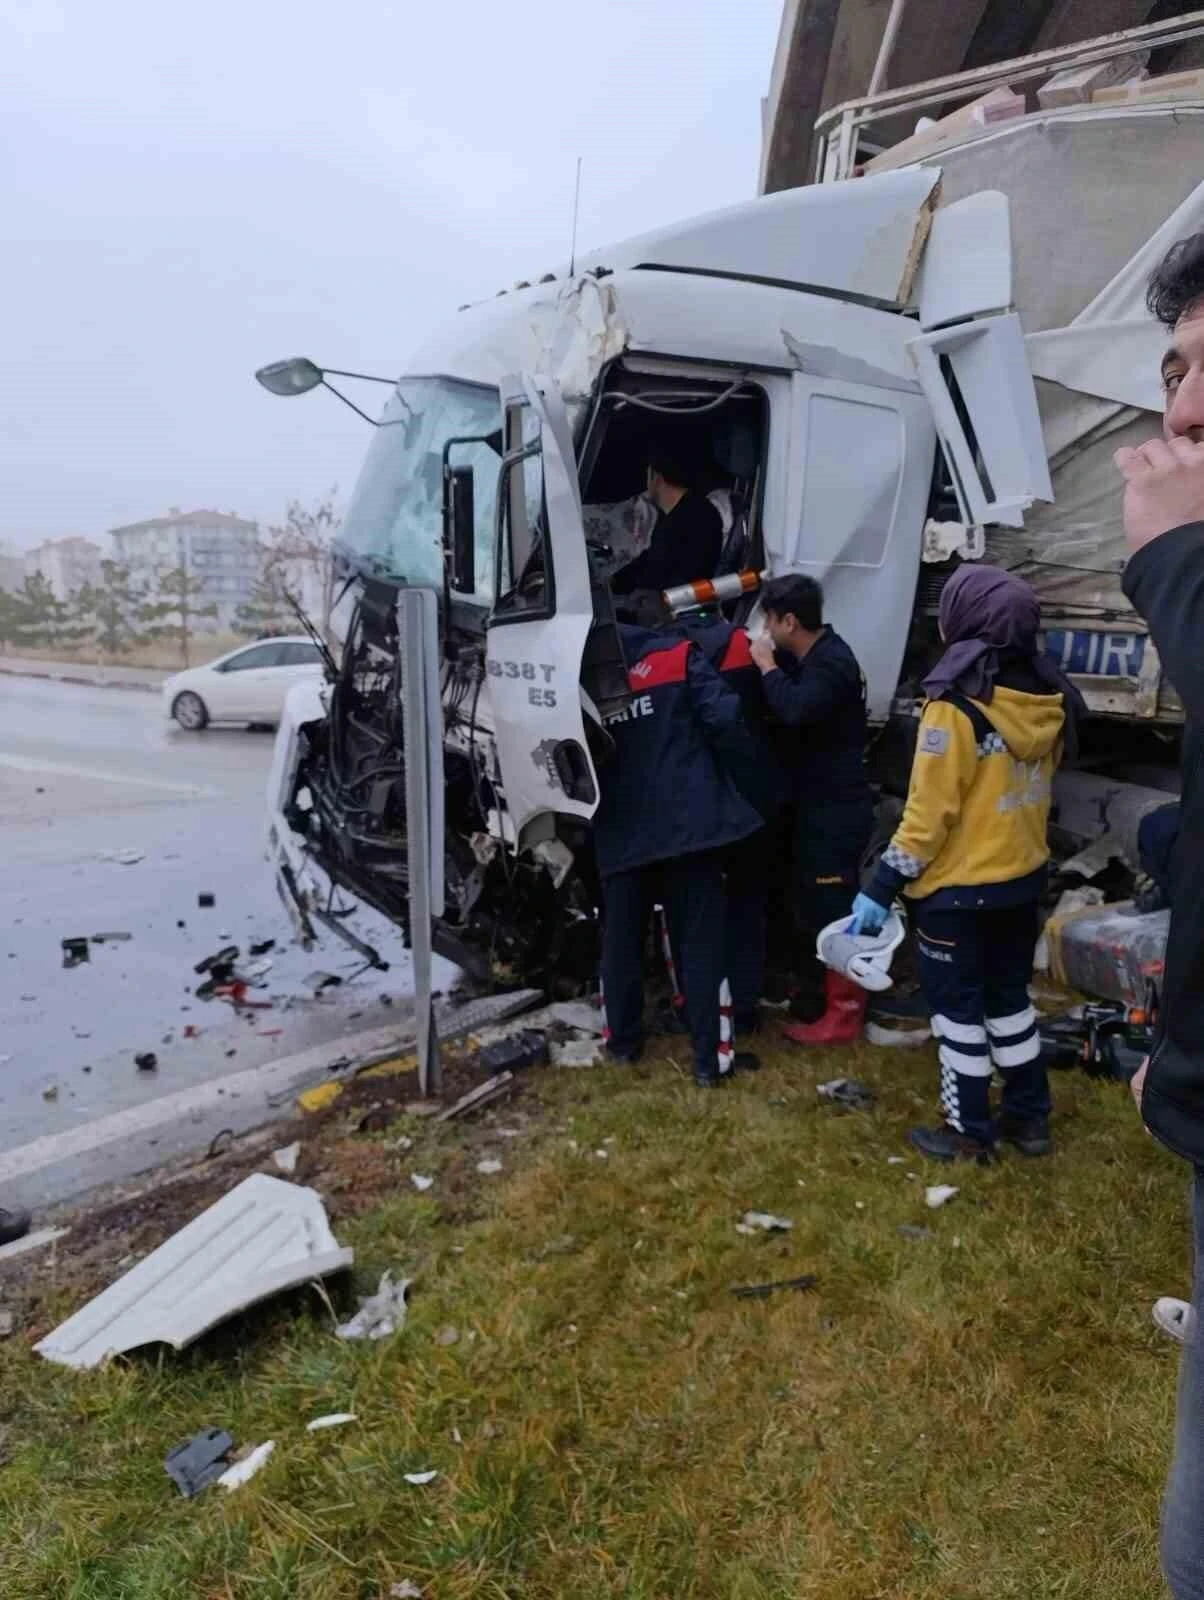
<point x="285" y="1159"/>
<point x="50" y="1092"/>
<point x="937" y="1194"/>
<point x="381" y="1314"/>
<point x="32" y="1241"/>
<point x="197" y="1462"/>
<point x="76" y="952"/>
<point x="762" y="1291"/>
<point x="577" y="1053"/>
<point x="111" y="938"/>
<point x="850" y="1093"/>
<point x="578" y="1015"/>
<point x="123" y="858"/>
<point x="263" y="948"/>
<point x="763" y="1222"/>
<point x="243" y="1471"/>
<point x="146" y="1061"/>
<point x="262" y="1237"/>
<point x="526" y="1048"/>
<point x="206" y="901"/>
<point x="483" y="1095"/>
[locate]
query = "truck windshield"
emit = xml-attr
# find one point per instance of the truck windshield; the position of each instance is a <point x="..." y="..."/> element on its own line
<point x="394" y="523"/>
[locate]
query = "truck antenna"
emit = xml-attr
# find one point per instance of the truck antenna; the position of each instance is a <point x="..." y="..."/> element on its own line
<point x="576" y="210"/>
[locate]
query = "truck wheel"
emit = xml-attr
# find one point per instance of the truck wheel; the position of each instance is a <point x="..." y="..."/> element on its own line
<point x="190" y="711"/>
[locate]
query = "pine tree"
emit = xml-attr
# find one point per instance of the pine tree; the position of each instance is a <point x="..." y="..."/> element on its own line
<point x="266" y="610"/>
<point x="175" y="608"/>
<point x="41" y="614"/>
<point x="115" y="610"/>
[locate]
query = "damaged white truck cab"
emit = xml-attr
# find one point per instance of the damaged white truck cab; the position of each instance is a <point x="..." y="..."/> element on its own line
<point x="848" y="362"/>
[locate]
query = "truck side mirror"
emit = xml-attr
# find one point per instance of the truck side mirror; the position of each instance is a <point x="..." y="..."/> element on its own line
<point x="462" y="509"/>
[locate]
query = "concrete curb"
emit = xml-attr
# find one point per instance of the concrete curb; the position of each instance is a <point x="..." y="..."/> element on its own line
<point x="89" y="677"/>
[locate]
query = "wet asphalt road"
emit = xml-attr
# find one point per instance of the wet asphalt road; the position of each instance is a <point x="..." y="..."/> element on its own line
<point x="87" y="773"/>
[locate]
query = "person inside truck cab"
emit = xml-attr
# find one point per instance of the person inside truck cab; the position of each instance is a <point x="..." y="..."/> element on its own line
<point x="816" y="693"/>
<point x="970" y="857"/>
<point x="687" y="540"/>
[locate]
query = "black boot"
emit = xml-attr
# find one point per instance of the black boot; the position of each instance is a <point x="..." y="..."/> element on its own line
<point x="1030" y="1137"/>
<point x="946" y="1144"/>
<point x="710" y="1078"/>
<point x="13" y="1225"/>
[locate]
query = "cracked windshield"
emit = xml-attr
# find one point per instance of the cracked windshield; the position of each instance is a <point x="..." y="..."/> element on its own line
<point x="599" y="972"/>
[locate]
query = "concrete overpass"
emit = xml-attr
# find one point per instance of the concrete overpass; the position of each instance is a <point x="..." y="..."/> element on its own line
<point x="827" y="50"/>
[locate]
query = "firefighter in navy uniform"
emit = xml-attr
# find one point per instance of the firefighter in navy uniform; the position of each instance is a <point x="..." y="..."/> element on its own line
<point x="814" y="686"/>
<point x="668" y="808"/>
<point x="747" y="864"/>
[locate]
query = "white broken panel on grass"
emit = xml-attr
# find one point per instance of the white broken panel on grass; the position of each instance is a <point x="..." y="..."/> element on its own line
<point x="763" y="1222"/>
<point x="380" y="1314"/>
<point x="263" y="1237"/>
<point x="243" y="1471"/>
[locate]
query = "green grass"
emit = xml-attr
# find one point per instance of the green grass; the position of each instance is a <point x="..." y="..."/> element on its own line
<point x="980" y="1414"/>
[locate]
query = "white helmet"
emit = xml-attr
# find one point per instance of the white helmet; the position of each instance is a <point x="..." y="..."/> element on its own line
<point x="865" y="958"/>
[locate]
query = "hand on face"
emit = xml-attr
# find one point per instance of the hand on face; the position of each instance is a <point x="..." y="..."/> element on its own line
<point x="1164" y="487"/>
<point x="761" y="650"/>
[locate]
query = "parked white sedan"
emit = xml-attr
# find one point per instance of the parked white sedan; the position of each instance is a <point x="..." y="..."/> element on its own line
<point x="248" y="685"/>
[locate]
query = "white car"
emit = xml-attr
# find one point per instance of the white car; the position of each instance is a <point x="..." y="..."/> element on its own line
<point x="248" y="685"/>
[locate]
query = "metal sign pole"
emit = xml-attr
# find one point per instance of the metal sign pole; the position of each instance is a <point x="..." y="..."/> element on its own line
<point x="418" y="625"/>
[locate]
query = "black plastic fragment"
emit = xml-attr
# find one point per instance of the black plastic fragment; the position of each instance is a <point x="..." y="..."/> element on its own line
<point x="526" y="1048"/>
<point x="197" y="1462"/>
<point x="75" y="952"/>
<point x="762" y="1291"/>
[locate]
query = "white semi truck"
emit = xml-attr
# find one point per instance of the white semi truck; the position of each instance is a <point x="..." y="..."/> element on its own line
<point x="891" y="373"/>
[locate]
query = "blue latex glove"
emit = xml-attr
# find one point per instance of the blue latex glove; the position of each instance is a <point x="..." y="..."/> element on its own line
<point x="868" y="916"/>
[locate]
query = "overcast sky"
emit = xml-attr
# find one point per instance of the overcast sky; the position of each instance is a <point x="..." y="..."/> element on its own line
<point x="188" y="192"/>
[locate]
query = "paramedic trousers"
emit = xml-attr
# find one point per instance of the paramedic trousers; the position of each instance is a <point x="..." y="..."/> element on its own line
<point x="691" y="890"/>
<point x="746" y="867"/>
<point x="1183" y="1507"/>
<point x="975" y="968"/>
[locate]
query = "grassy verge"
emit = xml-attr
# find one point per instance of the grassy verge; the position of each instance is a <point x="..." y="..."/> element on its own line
<point x="976" y="1412"/>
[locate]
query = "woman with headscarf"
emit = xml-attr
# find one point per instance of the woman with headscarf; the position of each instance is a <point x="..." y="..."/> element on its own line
<point x="970" y="857"/>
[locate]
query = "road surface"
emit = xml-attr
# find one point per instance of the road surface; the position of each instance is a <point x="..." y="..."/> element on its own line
<point x="90" y="778"/>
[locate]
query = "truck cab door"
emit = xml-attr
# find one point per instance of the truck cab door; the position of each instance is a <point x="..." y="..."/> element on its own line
<point x="860" y="468"/>
<point x="542" y="617"/>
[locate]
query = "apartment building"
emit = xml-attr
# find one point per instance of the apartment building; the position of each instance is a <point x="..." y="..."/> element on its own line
<point x="66" y="564"/>
<point x="216" y="548"/>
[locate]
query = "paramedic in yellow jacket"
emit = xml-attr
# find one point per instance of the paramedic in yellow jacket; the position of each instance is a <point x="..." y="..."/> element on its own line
<point x="970" y="856"/>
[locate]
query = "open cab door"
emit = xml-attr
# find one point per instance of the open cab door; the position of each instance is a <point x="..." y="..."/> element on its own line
<point x="542" y="617"/>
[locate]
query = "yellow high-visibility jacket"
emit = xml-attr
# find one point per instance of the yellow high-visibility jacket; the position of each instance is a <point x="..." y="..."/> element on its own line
<point x="974" y="827"/>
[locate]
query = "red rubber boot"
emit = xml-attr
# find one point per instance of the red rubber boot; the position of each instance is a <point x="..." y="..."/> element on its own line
<point x="843" y="1018"/>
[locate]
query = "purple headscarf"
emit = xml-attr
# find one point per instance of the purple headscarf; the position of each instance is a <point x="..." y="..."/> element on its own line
<point x="986" y="612"/>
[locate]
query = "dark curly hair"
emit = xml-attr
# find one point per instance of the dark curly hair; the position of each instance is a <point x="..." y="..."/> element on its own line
<point x="1177" y="282"/>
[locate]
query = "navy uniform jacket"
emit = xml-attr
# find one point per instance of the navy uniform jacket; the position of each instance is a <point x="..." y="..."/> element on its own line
<point x="670" y="789"/>
<point x="1165" y="582"/>
<point x="822" y="700"/>
<point x="726" y="648"/>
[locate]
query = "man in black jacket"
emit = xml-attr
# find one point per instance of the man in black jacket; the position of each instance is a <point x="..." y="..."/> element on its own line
<point x="1164" y="526"/>
<point x="668" y="807"/>
<point x="688" y="538"/>
<point x="814" y="687"/>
